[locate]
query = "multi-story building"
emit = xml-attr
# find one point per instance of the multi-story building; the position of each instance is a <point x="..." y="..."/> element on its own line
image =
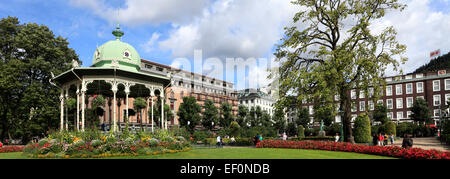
<point x="185" y="83"/>
<point x="256" y="97"/>
<point x="400" y="93"/>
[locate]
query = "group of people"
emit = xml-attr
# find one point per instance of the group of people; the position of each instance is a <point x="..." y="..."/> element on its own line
<point x="383" y="140"/>
<point x="258" y="138"/>
<point x="220" y="141"/>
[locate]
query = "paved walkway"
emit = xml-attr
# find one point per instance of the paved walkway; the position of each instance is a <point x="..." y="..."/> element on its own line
<point x="426" y="143"/>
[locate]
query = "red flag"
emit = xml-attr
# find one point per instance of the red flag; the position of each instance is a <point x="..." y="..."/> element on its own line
<point x="435" y="53"/>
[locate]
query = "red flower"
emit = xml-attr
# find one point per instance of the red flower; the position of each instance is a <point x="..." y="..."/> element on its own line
<point x="392" y="151"/>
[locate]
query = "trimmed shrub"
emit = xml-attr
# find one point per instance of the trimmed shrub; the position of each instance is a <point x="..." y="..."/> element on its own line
<point x="362" y="129"/>
<point x="389" y="128"/>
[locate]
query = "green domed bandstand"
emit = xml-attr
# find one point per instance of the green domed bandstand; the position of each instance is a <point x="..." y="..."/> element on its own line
<point x="115" y="74"/>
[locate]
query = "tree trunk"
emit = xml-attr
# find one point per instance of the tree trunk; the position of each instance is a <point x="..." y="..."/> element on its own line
<point x="345" y="106"/>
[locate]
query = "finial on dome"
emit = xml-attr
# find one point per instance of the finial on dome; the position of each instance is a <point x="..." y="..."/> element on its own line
<point x="118" y="33"/>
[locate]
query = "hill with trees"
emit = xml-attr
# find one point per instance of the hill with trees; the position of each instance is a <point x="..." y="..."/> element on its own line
<point x="442" y="62"/>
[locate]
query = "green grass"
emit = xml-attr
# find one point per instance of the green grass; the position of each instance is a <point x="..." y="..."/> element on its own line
<point x="241" y="153"/>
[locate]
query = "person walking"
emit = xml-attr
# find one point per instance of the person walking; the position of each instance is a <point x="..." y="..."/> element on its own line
<point x="232" y="140"/>
<point x="284" y="136"/>
<point x="260" y="138"/>
<point x="219" y="141"/>
<point x="336" y="138"/>
<point x="256" y="139"/>
<point x="380" y="139"/>
<point x="374" y="139"/>
<point x="391" y="138"/>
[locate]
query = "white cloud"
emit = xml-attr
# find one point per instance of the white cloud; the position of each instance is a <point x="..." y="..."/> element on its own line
<point x="138" y="12"/>
<point x="231" y="28"/>
<point x="421" y="29"/>
<point x="150" y="44"/>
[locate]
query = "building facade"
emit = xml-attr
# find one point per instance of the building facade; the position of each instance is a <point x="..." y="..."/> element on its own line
<point x="188" y="84"/>
<point x="399" y="95"/>
<point x="256" y="97"/>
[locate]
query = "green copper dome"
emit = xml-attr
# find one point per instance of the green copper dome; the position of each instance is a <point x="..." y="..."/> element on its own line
<point x="116" y="53"/>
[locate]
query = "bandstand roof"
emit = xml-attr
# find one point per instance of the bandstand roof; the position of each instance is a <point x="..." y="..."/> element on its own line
<point x="71" y="75"/>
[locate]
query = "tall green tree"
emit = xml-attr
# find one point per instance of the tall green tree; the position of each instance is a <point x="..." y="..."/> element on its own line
<point x="157" y="112"/>
<point x="210" y="115"/>
<point x="251" y="118"/>
<point x="139" y="104"/>
<point x="189" y="113"/>
<point x="280" y="121"/>
<point x="325" y="113"/>
<point x="28" y="54"/>
<point x="303" y="117"/>
<point x="420" y="112"/>
<point x="226" y="111"/>
<point x="242" y="114"/>
<point x="334" y="50"/>
<point x="380" y="113"/>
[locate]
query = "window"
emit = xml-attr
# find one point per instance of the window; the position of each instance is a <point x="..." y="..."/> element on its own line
<point x="353" y="94"/>
<point x="354" y="107"/>
<point x="409" y="88"/>
<point x="437" y="100"/>
<point x="354" y="117"/>
<point x="399" y="103"/>
<point x="437" y="113"/>
<point x="371" y="106"/>
<point x="409" y="102"/>
<point x="380" y="101"/>
<point x="398" y="89"/>
<point x="421" y="97"/>
<point x="370" y="92"/>
<point x="447" y="84"/>
<point x="390" y="115"/>
<point x="389" y="103"/>
<point x="388" y="90"/>
<point x="408" y="114"/>
<point x="419" y="75"/>
<point x="419" y="87"/>
<point x="336" y="97"/>
<point x="408" y="77"/>
<point x="362" y="106"/>
<point x="436" y="85"/>
<point x="361" y="94"/>
<point x="399" y="115"/>
<point x="311" y="110"/>
<point x="447" y="98"/>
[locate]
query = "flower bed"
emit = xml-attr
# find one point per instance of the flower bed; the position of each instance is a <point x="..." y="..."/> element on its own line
<point x="391" y="151"/>
<point x="105" y="146"/>
<point x="6" y="149"/>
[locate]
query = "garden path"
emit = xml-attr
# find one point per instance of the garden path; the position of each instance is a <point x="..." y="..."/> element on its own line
<point x="426" y="143"/>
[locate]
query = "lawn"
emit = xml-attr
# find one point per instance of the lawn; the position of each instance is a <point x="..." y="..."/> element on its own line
<point x="240" y="153"/>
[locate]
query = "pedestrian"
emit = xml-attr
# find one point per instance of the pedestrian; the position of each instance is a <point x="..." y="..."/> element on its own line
<point x="284" y="136"/>
<point x="380" y="139"/>
<point x="232" y="140"/>
<point x="374" y="139"/>
<point x="256" y="139"/>
<point x="260" y="138"/>
<point x="336" y="138"/>
<point x="385" y="139"/>
<point x="219" y="141"/>
<point x="407" y="141"/>
<point x="391" y="138"/>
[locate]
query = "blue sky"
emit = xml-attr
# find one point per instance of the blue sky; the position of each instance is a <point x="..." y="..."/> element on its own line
<point x="162" y="30"/>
